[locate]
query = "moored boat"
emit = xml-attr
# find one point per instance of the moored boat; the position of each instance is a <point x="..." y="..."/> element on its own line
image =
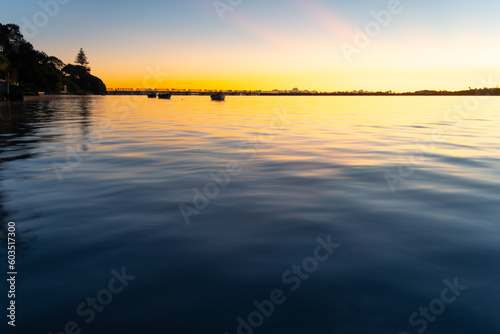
<point x="218" y="97"/>
<point x="152" y="95"/>
<point x="165" y="96"/>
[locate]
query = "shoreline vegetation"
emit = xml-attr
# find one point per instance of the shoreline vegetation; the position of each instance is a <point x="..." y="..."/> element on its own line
<point x="24" y="69"/>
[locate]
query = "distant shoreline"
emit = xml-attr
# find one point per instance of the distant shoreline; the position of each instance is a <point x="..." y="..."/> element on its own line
<point x="471" y="92"/>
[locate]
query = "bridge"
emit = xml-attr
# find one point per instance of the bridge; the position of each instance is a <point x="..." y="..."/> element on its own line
<point x="175" y="91"/>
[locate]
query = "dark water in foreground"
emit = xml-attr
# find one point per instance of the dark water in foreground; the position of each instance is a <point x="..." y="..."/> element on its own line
<point x="407" y="190"/>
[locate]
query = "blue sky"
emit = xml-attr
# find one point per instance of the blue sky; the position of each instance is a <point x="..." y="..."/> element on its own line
<point x="287" y="39"/>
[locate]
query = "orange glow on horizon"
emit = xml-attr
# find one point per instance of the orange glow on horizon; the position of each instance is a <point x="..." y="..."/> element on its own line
<point x="267" y="56"/>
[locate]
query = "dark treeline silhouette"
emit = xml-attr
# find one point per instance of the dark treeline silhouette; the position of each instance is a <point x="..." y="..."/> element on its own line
<point x="36" y="71"/>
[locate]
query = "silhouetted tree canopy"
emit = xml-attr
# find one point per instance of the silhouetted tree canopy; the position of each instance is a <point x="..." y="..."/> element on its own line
<point x="80" y="81"/>
<point x="81" y="58"/>
<point x="36" y="71"/>
<point x="4" y="62"/>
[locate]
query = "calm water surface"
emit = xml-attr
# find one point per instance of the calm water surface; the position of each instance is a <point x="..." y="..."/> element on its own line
<point x="409" y="187"/>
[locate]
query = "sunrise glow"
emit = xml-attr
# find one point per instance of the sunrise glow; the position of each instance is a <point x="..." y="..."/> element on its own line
<point x="283" y="44"/>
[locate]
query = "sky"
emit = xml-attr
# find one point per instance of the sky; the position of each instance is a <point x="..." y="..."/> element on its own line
<point x="323" y="45"/>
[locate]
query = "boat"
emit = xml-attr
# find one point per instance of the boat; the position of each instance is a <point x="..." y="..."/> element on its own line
<point x="165" y="96"/>
<point x="218" y="97"/>
<point x="152" y="95"/>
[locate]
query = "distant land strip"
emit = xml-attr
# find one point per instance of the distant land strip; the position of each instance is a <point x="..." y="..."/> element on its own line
<point x="469" y="92"/>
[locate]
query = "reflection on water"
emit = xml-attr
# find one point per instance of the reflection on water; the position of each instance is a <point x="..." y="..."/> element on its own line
<point x="102" y="183"/>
